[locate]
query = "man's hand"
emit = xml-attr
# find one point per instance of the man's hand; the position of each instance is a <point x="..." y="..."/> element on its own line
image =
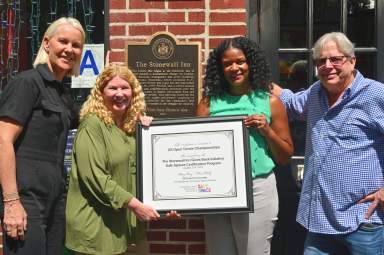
<point x="377" y="199"/>
<point x="15" y="220"/>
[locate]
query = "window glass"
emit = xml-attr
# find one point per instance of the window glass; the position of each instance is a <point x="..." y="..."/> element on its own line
<point x="326" y="17"/>
<point x="365" y="63"/>
<point x="293" y="24"/>
<point x="361" y="22"/>
<point x="293" y="69"/>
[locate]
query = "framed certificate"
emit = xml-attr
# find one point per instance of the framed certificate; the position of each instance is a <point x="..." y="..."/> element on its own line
<point x="195" y="165"/>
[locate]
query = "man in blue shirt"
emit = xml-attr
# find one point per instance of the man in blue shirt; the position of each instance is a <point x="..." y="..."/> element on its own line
<point x="342" y="198"/>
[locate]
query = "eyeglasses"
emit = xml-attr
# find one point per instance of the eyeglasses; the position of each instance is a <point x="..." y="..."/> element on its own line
<point x="335" y="60"/>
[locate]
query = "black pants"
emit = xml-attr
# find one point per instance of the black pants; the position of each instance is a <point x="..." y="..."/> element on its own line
<point x="45" y="229"/>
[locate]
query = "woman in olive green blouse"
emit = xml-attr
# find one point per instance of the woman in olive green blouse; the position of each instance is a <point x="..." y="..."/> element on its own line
<point x="101" y="203"/>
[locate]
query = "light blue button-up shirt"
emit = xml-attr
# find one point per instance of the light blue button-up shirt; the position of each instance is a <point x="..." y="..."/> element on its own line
<point x="344" y="154"/>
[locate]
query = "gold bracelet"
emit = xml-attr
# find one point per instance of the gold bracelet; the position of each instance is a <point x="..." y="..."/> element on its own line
<point x="10" y="196"/>
<point x="11" y="199"/>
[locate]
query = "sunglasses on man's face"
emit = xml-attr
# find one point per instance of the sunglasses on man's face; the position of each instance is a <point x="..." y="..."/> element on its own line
<point x="335" y="60"/>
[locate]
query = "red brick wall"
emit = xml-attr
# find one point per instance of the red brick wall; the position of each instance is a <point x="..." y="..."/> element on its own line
<point x="185" y="236"/>
<point x="206" y="21"/>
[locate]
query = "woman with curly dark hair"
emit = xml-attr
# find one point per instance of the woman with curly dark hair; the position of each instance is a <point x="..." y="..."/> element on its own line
<point x="237" y="81"/>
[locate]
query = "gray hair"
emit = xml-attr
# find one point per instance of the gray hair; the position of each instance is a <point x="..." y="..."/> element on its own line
<point x="341" y="40"/>
<point x="42" y="56"/>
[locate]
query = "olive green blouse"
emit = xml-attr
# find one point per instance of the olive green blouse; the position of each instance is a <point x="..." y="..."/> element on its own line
<point x="102" y="179"/>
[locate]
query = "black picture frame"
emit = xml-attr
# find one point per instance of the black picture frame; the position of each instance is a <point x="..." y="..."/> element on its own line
<point x="195" y="165"/>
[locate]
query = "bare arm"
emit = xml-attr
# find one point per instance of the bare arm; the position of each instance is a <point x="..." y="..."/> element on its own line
<point x="276" y="133"/>
<point x="276" y="89"/>
<point x="279" y="141"/>
<point x="15" y="218"/>
<point x="203" y="107"/>
<point x="10" y="130"/>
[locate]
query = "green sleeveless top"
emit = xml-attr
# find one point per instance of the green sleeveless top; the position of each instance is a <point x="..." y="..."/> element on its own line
<point x="256" y="102"/>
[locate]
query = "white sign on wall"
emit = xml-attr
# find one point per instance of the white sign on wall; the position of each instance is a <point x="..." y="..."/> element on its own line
<point x="92" y="63"/>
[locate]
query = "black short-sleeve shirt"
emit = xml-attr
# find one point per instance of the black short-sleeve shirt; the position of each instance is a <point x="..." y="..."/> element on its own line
<point x="40" y="105"/>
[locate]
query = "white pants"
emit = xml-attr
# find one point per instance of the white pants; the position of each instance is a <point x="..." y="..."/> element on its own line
<point x="243" y="233"/>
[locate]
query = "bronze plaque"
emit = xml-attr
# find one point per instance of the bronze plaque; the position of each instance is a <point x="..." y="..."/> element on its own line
<point x="169" y="72"/>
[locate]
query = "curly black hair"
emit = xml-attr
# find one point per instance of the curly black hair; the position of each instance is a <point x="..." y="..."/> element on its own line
<point x="259" y="69"/>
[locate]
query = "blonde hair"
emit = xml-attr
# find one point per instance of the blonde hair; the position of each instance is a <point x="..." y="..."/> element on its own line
<point x="95" y="103"/>
<point x="42" y="55"/>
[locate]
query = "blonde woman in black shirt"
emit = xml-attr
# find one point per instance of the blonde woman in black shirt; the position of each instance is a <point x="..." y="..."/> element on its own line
<point x="35" y="116"/>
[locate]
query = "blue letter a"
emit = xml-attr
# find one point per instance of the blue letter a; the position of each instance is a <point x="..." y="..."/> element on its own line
<point x="83" y="65"/>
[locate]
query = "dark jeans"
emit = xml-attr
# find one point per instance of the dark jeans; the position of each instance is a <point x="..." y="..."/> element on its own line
<point x="45" y="229"/>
